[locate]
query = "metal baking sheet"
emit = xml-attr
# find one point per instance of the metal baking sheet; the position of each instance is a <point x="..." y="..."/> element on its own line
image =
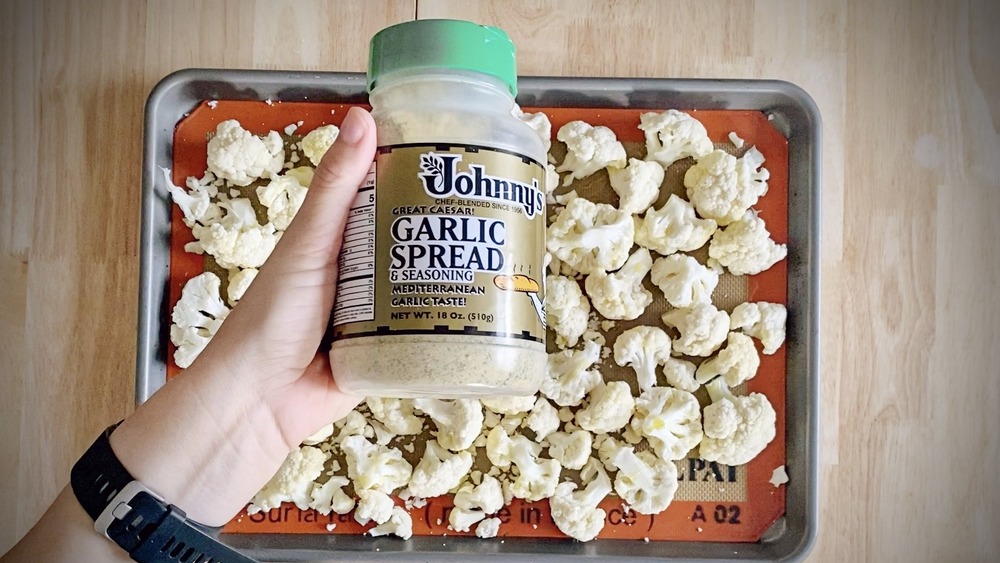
<point x="790" y="110"/>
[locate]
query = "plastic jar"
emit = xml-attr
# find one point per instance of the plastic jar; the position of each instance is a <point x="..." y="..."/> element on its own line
<point x="441" y="285"/>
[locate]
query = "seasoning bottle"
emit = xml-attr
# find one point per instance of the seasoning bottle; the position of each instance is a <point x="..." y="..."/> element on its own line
<point x="441" y="283"/>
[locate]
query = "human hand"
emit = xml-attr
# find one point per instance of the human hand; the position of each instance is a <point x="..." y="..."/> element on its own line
<point x="215" y="434"/>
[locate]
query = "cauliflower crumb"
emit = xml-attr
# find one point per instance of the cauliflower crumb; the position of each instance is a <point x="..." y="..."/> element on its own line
<point x="779" y="476"/>
<point x="212" y="103"/>
<point x="735" y="140"/>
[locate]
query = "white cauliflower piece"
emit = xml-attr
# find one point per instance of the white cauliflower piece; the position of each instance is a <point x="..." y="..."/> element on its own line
<point x="241" y="157"/>
<point x="353" y="424"/>
<point x="197" y="204"/>
<point x="330" y="497"/>
<point x="670" y="419"/>
<point x="373" y="506"/>
<point x="539" y="123"/>
<point x="537" y="478"/>
<point x="683" y="280"/>
<point x="488" y="528"/>
<point x="237" y="240"/>
<point x="703" y="328"/>
<point x="737" y="429"/>
<point x="673" y="228"/>
<point x="293" y="482"/>
<point x="591" y="237"/>
<point x="283" y="196"/>
<point x="723" y="187"/>
<point x="736" y="362"/>
<point x="745" y="246"/>
<point x="607" y="449"/>
<point x="319" y="436"/>
<point x="644" y="481"/>
<point x="509" y="404"/>
<point x="673" y="135"/>
<point x="543" y="419"/>
<point x="498" y="447"/>
<point x="566" y="309"/>
<point x="643" y="348"/>
<point x="458" y="421"/>
<point x="680" y="374"/>
<point x="399" y="524"/>
<point x="569" y="377"/>
<point x="588" y="149"/>
<point x="396" y="415"/>
<point x="375" y="467"/>
<point x="551" y="181"/>
<point x="608" y="409"/>
<point x="570" y="449"/>
<point x="576" y="513"/>
<point x="196" y="317"/>
<point x="621" y="295"/>
<point x="318" y="141"/>
<point x="637" y="185"/>
<point x="239" y="282"/>
<point x="763" y="321"/>
<point x="439" y="471"/>
<point x="473" y="503"/>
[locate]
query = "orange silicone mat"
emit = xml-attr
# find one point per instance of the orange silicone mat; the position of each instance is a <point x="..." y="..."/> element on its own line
<point x="714" y="503"/>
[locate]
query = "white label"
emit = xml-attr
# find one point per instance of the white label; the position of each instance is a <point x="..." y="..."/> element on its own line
<point x="355" y="300"/>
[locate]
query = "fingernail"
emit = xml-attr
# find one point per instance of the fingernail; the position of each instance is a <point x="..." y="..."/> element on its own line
<point x="353" y="128"/>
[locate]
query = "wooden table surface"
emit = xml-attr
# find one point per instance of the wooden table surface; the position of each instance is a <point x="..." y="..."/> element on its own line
<point x="910" y="96"/>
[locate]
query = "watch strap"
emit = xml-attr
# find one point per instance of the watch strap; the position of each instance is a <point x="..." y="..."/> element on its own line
<point x="136" y="519"/>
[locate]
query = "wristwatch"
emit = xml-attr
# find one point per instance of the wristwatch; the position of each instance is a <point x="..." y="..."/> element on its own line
<point x="137" y="519"/>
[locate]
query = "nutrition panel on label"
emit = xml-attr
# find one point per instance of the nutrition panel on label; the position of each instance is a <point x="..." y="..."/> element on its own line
<point x="356" y="288"/>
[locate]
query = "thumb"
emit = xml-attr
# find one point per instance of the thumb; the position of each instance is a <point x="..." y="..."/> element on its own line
<point x="312" y="241"/>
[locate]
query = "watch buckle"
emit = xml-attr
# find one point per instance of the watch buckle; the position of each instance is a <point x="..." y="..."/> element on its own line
<point x="119" y="508"/>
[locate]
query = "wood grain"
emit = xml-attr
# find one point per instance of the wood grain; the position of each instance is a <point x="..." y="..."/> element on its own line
<point x="910" y="96"/>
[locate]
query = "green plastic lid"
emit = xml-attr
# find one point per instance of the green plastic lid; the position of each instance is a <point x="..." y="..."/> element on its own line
<point x="442" y="44"/>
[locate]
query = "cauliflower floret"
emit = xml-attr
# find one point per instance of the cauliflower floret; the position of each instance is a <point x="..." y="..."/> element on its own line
<point x="399" y="524"/>
<point x="439" y="471"/>
<point x="237" y="240"/>
<point x="644" y="481"/>
<point x="566" y="309"/>
<point x="373" y="506"/>
<point x="551" y="181"/>
<point x="318" y="141"/>
<point x="293" y="482"/>
<point x="736" y="362"/>
<point x="509" y="404"/>
<point x="488" y="528"/>
<point x="239" y="282"/>
<point x="396" y="414"/>
<point x="330" y="497"/>
<point x="458" y="421"/>
<point x="683" y="280"/>
<point x="673" y="228"/>
<point x="703" y="328"/>
<point x="196" y="317"/>
<point x="537" y="478"/>
<point x="745" y="246"/>
<point x="543" y="420"/>
<point x="197" y="204"/>
<point x="539" y="123"/>
<point x="763" y="321"/>
<point x="241" y="157"/>
<point x="591" y="237"/>
<point x="670" y="419"/>
<point x="319" y="436"/>
<point x="283" y="196"/>
<point x="353" y="424"/>
<point x="673" y="135"/>
<point x="375" y="467"/>
<point x="723" y="187"/>
<point x="569" y="377"/>
<point x="609" y="408"/>
<point x="637" y="185"/>
<point x="572" y="449"/>
<point x="620" y="295"/>
<point x="607" y="449"/>
<point x="473" y="503"/>
<point x="680" y="374"/>
<point x="736" y="428"/>
<point x="576" y="513"/>
<point x="588" y="149"/>
<point x="643" y="348"/>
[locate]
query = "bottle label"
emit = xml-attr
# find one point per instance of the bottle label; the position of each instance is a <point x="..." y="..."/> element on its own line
<point x="445" y="239"/>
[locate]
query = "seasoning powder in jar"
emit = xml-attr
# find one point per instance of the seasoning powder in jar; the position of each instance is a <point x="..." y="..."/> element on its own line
<point x="441" y="284"/>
